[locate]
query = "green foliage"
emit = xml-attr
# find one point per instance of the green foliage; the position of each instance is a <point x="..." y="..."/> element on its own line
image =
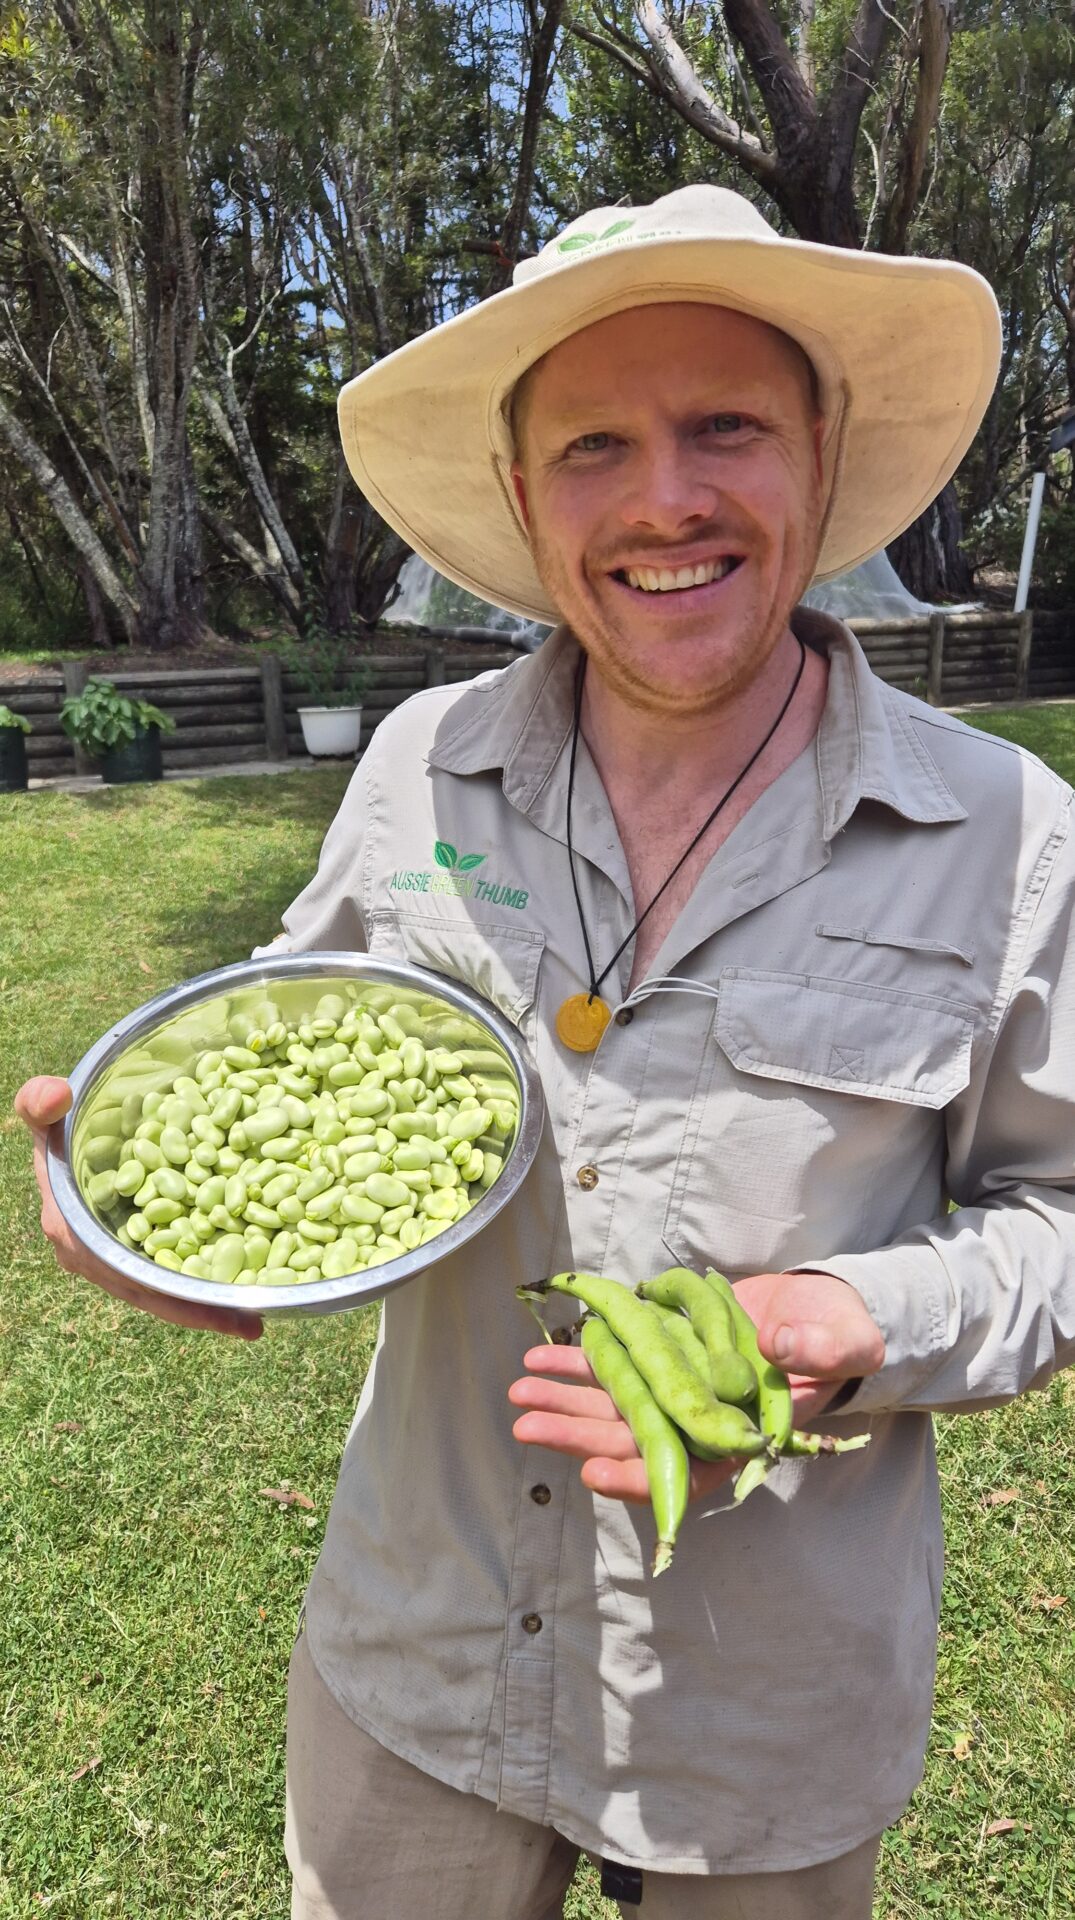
<point x="15" y="721"/>
<point x="997" y="535"/>
<point x="324" y="665"/>
<point x="101" y="717"/>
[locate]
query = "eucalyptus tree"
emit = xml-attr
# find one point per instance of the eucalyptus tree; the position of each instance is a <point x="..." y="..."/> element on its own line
<point x="823" y="111"/>
<point x="99" y="294"/>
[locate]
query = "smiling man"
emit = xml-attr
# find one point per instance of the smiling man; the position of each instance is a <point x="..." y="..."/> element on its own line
<point x="792" y="953"/>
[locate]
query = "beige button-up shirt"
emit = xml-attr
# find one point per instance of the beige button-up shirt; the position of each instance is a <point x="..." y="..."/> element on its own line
<point x="868" y="1009"/>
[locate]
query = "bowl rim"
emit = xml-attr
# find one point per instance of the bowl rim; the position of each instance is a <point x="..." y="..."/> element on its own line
<point x="305" y="1297"/>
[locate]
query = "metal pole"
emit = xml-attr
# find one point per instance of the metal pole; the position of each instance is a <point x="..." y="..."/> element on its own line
<point x="1030" y="541"/>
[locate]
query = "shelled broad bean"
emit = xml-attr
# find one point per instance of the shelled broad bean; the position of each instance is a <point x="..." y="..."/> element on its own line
<point x="300" y="1151"/>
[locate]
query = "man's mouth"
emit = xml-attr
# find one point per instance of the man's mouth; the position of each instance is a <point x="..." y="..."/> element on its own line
<point x="677" y="579"/>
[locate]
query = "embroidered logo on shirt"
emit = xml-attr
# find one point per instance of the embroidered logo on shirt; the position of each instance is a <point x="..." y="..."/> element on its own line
<point x="445" y="855"/>
<point x="457" y="876"/>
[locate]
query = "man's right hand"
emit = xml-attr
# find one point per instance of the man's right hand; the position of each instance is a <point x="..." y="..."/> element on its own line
<point x="42" y="1103"/>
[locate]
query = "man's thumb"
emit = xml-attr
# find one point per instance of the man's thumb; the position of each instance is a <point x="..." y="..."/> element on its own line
<point x="43" y="1100"/>
<point x="824" y="1352"/>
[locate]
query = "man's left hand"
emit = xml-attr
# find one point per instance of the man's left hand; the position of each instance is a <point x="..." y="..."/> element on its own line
<point x="812" y="1325"/>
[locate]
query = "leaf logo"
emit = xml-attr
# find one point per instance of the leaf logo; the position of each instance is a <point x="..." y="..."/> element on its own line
<point x="448" y="856"/>
<point x="575" y="242"/>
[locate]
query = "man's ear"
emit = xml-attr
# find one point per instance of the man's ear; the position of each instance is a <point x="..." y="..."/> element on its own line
<point x="519" y="485"/>
<point x="819" y="441"/>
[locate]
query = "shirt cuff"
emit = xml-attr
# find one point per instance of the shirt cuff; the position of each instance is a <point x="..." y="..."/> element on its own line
<point x="905" y="1291"/>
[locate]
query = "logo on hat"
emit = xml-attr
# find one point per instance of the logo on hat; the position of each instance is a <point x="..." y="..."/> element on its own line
<point x="576" y="242"/>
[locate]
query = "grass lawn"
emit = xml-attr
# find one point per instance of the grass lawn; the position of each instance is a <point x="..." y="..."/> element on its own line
<point x="150" y="1588"/>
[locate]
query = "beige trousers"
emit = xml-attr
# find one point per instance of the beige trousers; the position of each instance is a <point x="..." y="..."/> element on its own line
<point x="369" y="1837"/>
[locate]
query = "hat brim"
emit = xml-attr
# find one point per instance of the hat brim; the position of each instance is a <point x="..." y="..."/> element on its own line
<point x="907" y="352"/>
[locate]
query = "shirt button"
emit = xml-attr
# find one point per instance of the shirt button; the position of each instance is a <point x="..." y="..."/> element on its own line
<point x="587" y="1178"/>
<point x="625" y="1016"/>
<point x="531" y="1623"/>
<point x="540" y="1494"/>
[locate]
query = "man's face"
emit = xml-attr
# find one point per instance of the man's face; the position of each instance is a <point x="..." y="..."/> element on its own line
<point x="663" y="439"/>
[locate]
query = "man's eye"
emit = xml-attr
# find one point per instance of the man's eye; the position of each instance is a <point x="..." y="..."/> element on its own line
<point x="590" y="443"/>
<point x="728" y="422"/>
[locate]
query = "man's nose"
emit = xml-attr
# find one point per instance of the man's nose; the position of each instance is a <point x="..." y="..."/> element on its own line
<point x="665" y="492"/>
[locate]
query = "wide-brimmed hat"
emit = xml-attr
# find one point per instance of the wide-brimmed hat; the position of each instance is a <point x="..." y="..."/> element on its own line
<point x="906" y="352"/>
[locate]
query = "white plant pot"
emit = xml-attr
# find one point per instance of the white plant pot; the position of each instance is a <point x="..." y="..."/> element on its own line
<point x="331" y="731"/>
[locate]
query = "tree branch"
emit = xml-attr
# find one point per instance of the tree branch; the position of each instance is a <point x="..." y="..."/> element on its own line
<point x="842" y="110"/>
<point x="636" y="68"/>
<point x="263" y="571"/>
<point x="680" y="85"/>
<point x="70" y="515"/>
<point x="935" y="23"/>
<point x="789" y="102"/>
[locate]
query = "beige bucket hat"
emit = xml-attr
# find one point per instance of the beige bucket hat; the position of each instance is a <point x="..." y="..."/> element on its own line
<point x="906" y="352"/>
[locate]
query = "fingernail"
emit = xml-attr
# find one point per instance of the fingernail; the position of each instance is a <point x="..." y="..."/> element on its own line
<point x="784" y="1344"/>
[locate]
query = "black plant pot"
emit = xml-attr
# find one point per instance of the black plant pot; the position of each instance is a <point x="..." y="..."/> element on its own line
<point x="13" y="771"/>
<point x="137" y="759"/>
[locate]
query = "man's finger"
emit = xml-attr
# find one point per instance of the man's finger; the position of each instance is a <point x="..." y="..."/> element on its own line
<point x="566" y="1433"/>
<point x="626" y="1479"/>
<point x="569" y="1362"/>
<point x="543" y="1395"/>
<point x="617" y="1479"/>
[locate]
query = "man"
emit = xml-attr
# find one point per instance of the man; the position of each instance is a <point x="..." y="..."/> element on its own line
<point x="789" y="948"/>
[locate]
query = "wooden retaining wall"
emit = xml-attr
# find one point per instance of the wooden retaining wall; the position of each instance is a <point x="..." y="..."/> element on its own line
<point x="251" y="712"/>
<point x="224" y="713"/>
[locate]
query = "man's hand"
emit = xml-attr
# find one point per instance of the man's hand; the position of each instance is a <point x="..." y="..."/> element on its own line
<point x="812" y="1325"/>
<point x="42" y="1103"/>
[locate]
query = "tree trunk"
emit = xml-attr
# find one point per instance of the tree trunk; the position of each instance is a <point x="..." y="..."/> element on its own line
<point x="100" y="637"/>
<point x="171" y="601"/>
<point x="69" y="514"/>
<point x="928" y="557"/>
<point x="363" y="558"/>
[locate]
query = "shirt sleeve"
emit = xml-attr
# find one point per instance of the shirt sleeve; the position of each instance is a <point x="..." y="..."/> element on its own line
<point x="327" y="914"/>
<point x="979" y="1306"/>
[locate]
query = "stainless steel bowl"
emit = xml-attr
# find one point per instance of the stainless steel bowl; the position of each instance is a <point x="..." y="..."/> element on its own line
<point x="160" y="1039"/>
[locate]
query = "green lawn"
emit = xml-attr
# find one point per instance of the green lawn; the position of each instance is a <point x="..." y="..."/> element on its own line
<point x="150" y="1588"/>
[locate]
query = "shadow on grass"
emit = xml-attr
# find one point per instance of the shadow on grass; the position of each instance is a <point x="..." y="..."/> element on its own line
<point x="308" y="798"/>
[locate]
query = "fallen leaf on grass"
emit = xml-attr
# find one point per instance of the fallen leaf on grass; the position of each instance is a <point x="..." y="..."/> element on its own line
<point x="1049" y="1602"/>
<point x="963" y="1746"/>
<point x="89" y="1767"/>
<point x="1006" y="1826"/>
<point x="144" y="967"/>
<point x="1001" y="1497"/>
<point x="286" y="1497"/>
<point x="68" y="1426"/>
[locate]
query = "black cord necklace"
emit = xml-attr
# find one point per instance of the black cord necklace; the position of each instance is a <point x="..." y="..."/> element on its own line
<point x="583" y="1017"/>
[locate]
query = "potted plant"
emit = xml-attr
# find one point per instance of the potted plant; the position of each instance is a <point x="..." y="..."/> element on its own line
<point x="13" y="769"/>
<point x="123" y="734"/>
<point x="334" y="683"/>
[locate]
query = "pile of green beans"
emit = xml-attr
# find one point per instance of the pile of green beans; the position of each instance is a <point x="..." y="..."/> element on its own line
<point x="302" y="1151"/>
<point x="679" y="1358"/>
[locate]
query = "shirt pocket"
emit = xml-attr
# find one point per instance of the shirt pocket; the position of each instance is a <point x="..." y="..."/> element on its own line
<point x="500" y="963"/>
<point x="816" y="1120"/>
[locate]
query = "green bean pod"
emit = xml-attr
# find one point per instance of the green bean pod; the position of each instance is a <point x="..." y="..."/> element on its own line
<point x="663" y="1453"/>
<point x="678" y="1328"/>
<point x="675" y="1386"/>
<point x="774" y="1394"/>
<point x="731" y="1375"/>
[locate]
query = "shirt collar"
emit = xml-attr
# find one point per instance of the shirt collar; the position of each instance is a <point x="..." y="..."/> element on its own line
<point x="868" y="747"/>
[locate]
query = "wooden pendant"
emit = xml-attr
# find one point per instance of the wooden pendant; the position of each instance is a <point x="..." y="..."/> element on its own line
<point x="581" y="1021"/>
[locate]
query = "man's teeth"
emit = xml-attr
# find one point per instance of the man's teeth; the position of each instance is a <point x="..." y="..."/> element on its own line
<point x="669" y="580"/>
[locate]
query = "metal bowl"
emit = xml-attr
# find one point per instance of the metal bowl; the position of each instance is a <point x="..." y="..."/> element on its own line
<point x="160" y="1039"/>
